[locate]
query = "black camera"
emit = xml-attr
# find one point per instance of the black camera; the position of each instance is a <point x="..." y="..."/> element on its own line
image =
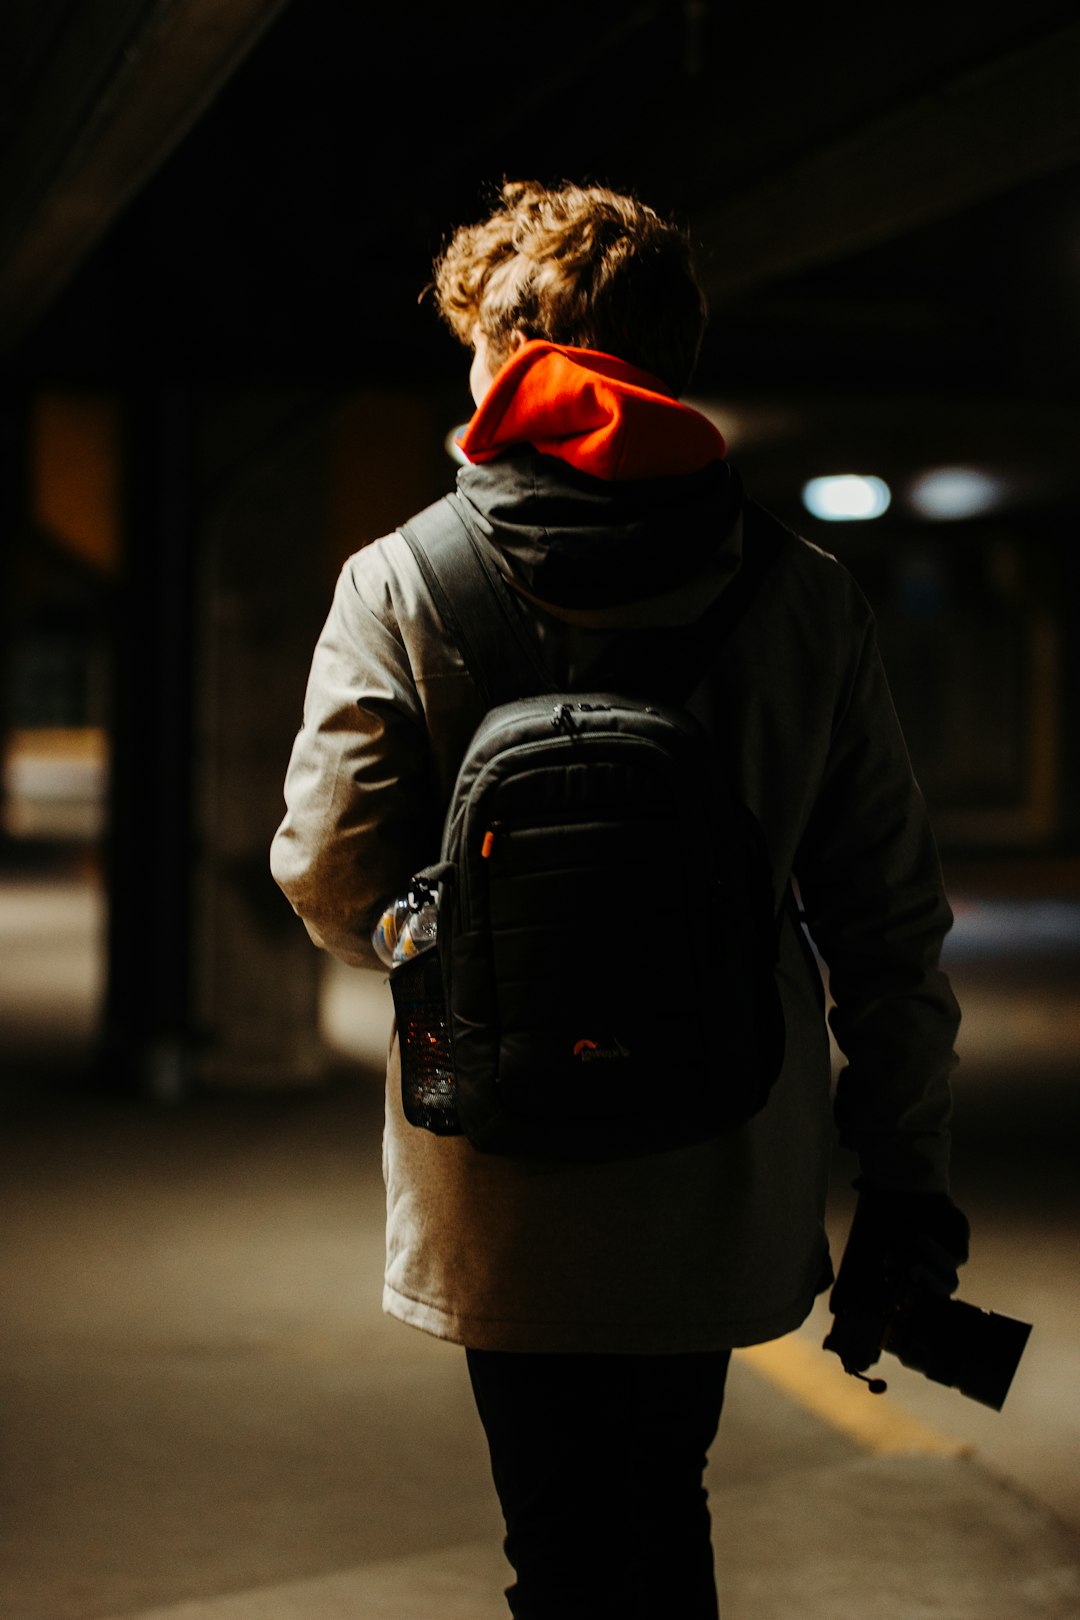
<point x="950" y="1341"/>
<point x="894" y="1292"/>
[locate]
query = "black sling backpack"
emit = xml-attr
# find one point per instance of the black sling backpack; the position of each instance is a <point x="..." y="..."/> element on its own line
<point x="604" y="979"/>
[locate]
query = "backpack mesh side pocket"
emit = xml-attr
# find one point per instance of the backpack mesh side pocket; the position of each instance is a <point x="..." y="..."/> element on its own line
<point x="428" y="1092"/>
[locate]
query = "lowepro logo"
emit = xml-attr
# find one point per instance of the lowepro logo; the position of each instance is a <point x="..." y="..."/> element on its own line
<point x="591" y="1051"/>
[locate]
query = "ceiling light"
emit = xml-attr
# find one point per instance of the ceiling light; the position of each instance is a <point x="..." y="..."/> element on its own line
<point x="955" y="492"/>
<point x="452" y="448"/>
<point x="846" y="498"/>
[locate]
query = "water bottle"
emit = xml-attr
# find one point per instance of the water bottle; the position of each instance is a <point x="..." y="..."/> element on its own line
<point x="421" y="927"/>
<point x="407" y="927"/>
<point x="403" y="939"/>
<point x="389" y="928"/>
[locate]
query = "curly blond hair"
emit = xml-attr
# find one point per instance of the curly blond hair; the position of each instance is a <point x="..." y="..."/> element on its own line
<point x="577" y="265"/>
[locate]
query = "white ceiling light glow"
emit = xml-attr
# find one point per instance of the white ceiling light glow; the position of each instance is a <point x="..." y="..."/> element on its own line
<point x="846" y="498"/>
<point x="955" y="492"/>
<point x="452" y="448"/>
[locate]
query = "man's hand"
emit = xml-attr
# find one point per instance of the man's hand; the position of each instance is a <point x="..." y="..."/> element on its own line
<point x="900" y="1244"/>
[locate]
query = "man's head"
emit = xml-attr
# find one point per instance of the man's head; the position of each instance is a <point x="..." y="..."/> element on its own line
<point x="576" y="265"/>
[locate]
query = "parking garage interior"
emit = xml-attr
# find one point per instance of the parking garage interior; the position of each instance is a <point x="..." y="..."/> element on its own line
<point x="221" y="377"/>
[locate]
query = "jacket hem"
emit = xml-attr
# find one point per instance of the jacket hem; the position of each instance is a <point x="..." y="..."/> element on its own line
<point x="598" y="1338"/>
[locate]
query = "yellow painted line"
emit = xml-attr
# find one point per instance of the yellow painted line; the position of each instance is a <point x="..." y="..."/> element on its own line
<point x="815" y="1379"/>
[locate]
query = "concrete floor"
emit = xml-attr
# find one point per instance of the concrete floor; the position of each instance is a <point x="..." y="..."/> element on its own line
<point x="205" y="1416"/>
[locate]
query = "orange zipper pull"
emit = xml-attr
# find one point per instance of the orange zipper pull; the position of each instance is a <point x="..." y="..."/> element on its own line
<point x="488" y="845"/>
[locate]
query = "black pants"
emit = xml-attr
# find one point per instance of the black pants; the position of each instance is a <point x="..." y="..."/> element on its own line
<point x="598" y="1464"/>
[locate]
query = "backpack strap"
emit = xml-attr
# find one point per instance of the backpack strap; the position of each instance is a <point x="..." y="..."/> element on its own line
<point x="501" y="653"/>
<point x="670" y="663"/>
<point x="496" y="646"/>
<point x="763" y="537"/>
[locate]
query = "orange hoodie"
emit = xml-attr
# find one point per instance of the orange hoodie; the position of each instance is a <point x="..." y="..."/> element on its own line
<point x="596" y="412"/>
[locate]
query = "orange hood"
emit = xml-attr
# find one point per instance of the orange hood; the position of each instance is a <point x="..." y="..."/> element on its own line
<point x="597" y="413"/>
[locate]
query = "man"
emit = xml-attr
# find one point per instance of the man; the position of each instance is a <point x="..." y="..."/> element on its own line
<point x="599" y="1303"/>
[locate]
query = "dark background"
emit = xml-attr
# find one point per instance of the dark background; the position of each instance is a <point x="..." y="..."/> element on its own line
<point x="217" y="220"/>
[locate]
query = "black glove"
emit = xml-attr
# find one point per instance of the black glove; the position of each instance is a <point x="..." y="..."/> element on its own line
<point x="900" y="1244"/>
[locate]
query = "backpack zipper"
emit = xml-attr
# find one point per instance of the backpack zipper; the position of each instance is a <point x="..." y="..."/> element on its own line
<point x="562" y="714"/>
<point x="496" y="826"/>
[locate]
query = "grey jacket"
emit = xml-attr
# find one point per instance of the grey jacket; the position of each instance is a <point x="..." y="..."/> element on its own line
<point x="721" y="1244"/>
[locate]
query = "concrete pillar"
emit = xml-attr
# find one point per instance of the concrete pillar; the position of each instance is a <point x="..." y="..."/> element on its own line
<point x="148" y="1029"/>
<point x="293" y="486"/>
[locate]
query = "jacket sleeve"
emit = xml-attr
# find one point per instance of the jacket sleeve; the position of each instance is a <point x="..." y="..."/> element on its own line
<point x="358" y="791"/>
<point x="875" y="906"/>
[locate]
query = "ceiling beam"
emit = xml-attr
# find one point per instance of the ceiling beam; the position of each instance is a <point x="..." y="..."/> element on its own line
<point x="1009" y="121"/>
<point x="124" y="84"/>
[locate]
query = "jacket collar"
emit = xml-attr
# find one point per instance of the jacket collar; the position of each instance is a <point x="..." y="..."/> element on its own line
<point x="593" y="552"/>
